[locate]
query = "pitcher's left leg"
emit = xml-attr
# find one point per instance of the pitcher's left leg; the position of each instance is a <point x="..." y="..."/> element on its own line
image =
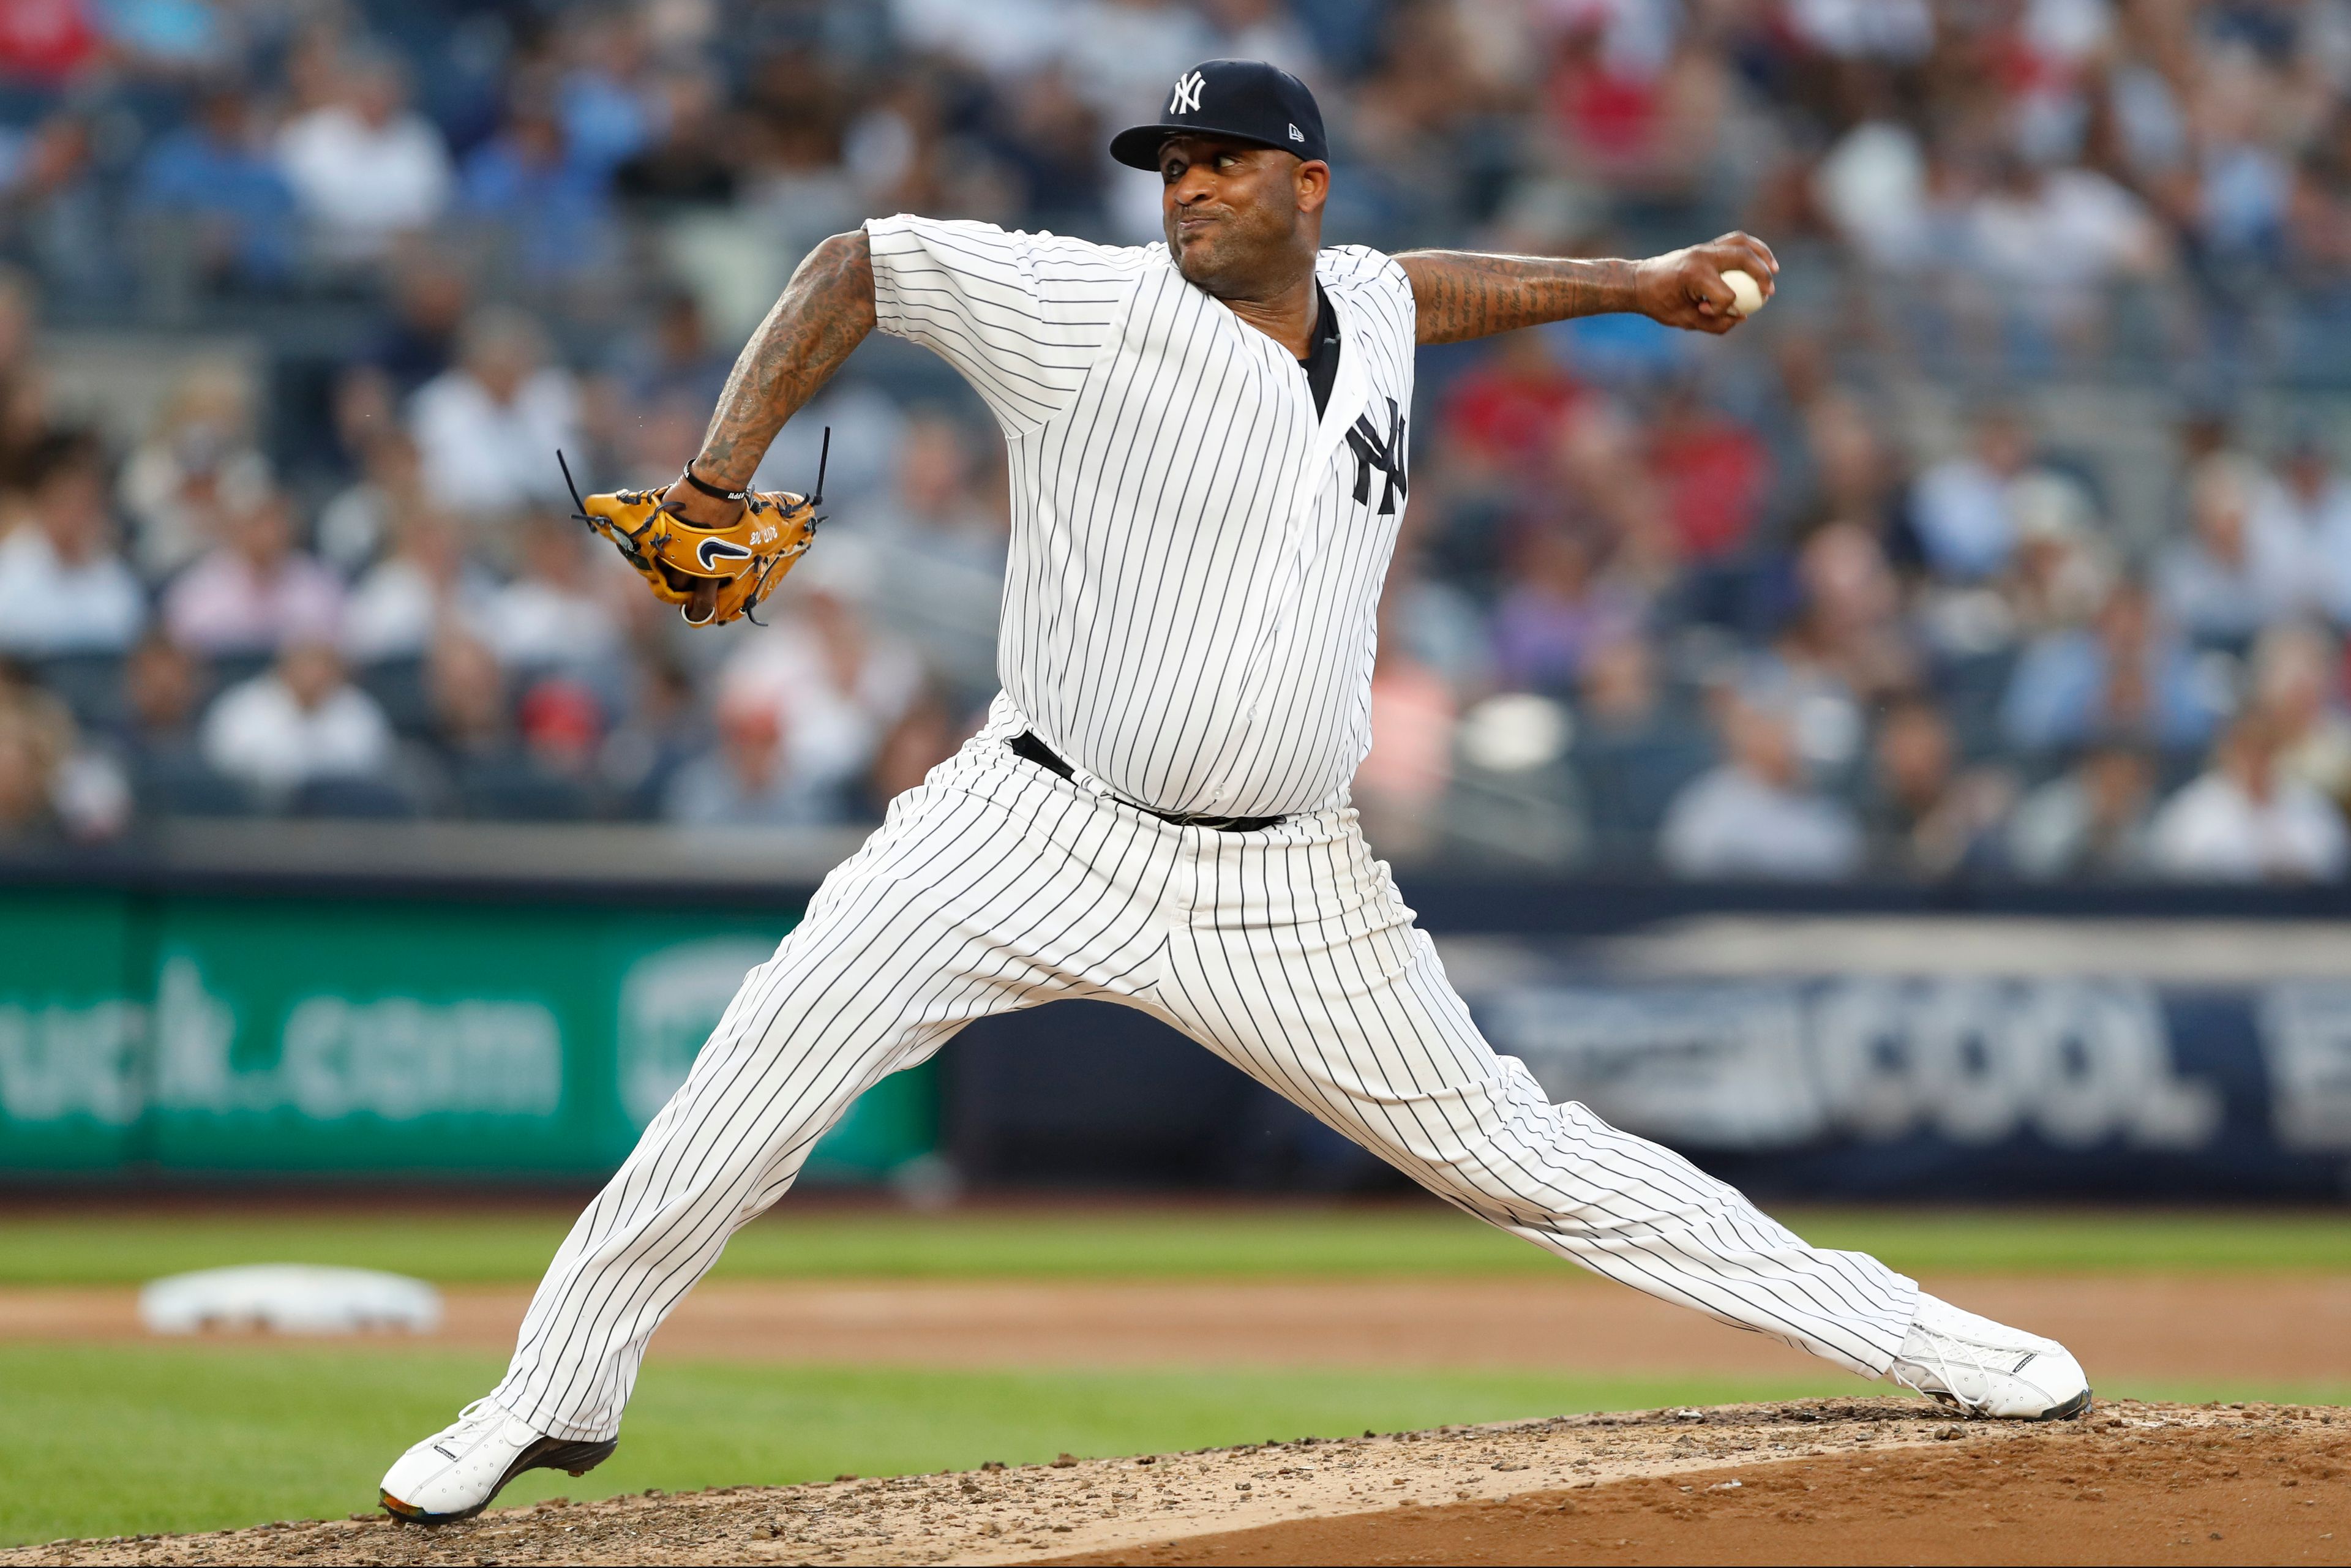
<point x="1301" y="965"/>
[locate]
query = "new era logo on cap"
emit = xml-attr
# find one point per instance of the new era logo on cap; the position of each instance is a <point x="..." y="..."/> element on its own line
<point x="1296" y="134"/>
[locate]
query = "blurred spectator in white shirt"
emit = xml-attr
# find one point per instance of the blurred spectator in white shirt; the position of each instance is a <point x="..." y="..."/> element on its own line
<point x="1755" y="816"/>
<point x="2295" y="686"/>
<point x="424" y="582"/>
<point x="365" y="168"/>
<point x="490" y="427"/>
<point x="63" y="589"/>
<point x="297" y="721"/>
<point x="2126" y="673"/>
<point x="1960" y="506"/>
<point x="2091" y="822"/>
<point x="2243" y="565"/>
<point x="553" y="614"/>
<point x="1873" y="185"/>
<point x="254" y="592"/>
<point x="1896" y="30"/>
<point x="198" y="461"/>
<point x="357" y="524"/>
<point x="50" y="784"/>
<point x="747" y="778"/>
<point x="2247" y="820"/>
<point x="2315" y="495"/>
<point x="2049" y="240"/>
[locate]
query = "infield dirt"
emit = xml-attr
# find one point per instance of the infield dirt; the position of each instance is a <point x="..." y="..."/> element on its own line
<point x="2156" y="1330"/>
<point x="1872" y="1480"/>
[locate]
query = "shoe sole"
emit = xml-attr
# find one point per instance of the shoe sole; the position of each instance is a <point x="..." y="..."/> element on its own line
<point x="546" y="1454"/>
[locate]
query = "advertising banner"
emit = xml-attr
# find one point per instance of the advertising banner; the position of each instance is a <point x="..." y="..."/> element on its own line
<point x="1958" y="1083"/>
<point x="289" y="1035"/>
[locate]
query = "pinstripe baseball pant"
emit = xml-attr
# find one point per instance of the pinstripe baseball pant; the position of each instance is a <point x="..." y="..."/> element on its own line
<point x="996" y="886"/>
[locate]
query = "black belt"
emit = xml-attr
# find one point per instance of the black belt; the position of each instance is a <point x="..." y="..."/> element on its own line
<point x="1026" y="744"/>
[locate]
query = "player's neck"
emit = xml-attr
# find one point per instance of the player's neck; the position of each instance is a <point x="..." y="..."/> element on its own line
<point x="1286" y="316"/>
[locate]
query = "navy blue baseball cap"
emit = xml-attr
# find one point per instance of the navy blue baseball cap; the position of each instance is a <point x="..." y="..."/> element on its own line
<point x="1247" y="100"/>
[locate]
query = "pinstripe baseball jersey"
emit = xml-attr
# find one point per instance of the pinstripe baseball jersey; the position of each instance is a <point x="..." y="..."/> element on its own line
<point x="1191" y="596"/>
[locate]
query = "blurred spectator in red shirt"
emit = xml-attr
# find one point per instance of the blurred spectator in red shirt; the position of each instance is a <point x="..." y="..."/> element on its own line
<point x="1402" y="782"/>
<point x="46" y="41"/>
<point x="1714" y="474"/>
<point x="1507" y="411"/>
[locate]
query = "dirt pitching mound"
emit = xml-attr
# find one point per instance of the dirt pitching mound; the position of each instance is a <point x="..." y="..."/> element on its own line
<point x="1819" y="1481"/>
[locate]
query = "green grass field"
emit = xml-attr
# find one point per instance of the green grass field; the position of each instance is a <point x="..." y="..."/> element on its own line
<point x="1109" y="1241"/>
<point x="99" y="1439"/>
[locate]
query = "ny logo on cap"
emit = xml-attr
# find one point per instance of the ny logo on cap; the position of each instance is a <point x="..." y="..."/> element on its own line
<point x="1188" y="94"/>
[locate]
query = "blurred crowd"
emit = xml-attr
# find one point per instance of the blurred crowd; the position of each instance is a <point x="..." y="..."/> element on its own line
<point x="2012" y="541"/>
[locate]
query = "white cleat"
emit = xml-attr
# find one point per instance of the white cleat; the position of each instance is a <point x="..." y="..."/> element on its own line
<point x="456" y="1472"/>
<point x="1987" y="1369"/>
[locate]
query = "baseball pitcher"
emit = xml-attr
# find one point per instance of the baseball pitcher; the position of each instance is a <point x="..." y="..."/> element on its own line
<point x="1208" y="441"/>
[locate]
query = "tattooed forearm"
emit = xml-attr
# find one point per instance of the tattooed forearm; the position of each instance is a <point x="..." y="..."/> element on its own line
<point x="824" y="312"/>
<point x="1463" y="294"/>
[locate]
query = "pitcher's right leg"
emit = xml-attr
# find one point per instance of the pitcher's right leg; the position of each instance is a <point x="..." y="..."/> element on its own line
<point x="978" y="896"/>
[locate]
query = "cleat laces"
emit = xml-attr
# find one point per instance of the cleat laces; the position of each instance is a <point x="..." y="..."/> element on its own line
<point x="1935" y="1357"/>
<point x="473" y="1418"/>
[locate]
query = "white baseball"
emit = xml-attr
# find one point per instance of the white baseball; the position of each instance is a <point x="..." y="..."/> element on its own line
<point x="1746" y="294"/>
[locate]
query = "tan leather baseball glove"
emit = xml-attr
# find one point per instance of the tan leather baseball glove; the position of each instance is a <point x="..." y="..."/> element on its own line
<point x="712" y="575"/>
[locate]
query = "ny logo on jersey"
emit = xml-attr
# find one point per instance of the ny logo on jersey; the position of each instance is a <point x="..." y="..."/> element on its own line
<point x="1386" y="454"/>
<point x="1188" y="94"/>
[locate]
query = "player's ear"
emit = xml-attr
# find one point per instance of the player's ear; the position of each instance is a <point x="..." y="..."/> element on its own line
<point x="1311" y="181"/>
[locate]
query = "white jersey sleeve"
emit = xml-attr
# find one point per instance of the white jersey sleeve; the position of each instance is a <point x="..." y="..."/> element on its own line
<point x="1023" y="316"/>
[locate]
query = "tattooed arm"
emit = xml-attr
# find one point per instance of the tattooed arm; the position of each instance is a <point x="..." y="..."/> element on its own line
<point x="1465" y="294"/>
<point x="824" y="312"/>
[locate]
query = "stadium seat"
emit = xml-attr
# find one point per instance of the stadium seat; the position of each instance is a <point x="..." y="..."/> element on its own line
<point x="88" y="683"/>
<point x="355" y="797"/>
<point x="236" y="669"/>
<point x="399" y="688"/>
<point x="518" y="792"/>
<point x="184" y="787"/>
<point x="1627" y="786"/>
<point x="1973" y="686"/>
